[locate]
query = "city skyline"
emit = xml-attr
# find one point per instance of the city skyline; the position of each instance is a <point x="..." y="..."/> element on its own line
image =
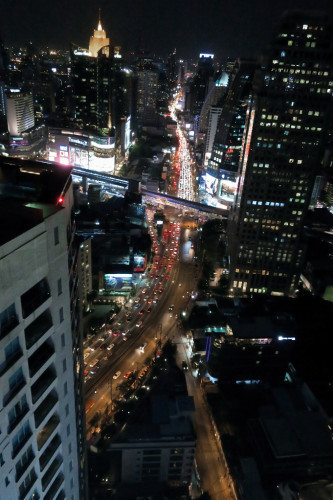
<point x="228" y="30"/>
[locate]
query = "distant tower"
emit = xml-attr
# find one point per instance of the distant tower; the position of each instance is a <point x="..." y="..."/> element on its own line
<point x="98" y="40"/>
<point x="20" y="111"/>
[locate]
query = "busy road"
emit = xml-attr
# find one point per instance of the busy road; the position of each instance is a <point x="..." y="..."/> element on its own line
<point x="151" y="317"/>
<point x="183" y="169"/>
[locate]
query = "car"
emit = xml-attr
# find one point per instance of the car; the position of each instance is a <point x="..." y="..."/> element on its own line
<point x="148" y="310"/>
<point x="184" y="366"/>
<point x="142" y="347"/>
<point x="136" y="306"/>
<point x="139" y="323"/>
<point x="117" y="375"/>
<point x="111" y="346"/>
<point x="127" y="374"/>
<point x="141" y="312"/>
<point x="171" y="308"/>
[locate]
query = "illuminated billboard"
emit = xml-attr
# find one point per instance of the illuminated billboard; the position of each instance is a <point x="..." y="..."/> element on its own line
<point x="117" y="281"/>
<point x="211" y="184"/>
<point x="139" y="263"/>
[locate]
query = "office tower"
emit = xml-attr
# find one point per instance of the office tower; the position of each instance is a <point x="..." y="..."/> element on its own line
<point x="282" y="149"/>
<point x="41" y="448"/>
<point x="202" y="82"/>
<point x="222" y="157"/>
<point x="84" y="88"/>
<point x="210" y="113"/>
<point x="171" y="68"/>
<point x="147" y="92"/>
<point x="99" y="39"/>
<point x="19" y="110"/>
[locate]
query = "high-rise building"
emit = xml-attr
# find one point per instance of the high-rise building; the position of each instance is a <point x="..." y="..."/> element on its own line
<point x="281" y="151"/>
<point x="147" y="92"/>
<point x="223" y="156"/>
<point x="42" y="444"/>
<point x="84" y="88"/>
<point x="99" y="39"/>
<point x="19" y="111"/>
<point x="201" y="84"/>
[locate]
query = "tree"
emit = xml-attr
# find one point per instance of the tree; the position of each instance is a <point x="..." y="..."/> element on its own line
<point x="120" y="417"/>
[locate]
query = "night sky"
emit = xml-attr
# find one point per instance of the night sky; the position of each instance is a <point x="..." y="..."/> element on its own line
<point x="228" y="28"/>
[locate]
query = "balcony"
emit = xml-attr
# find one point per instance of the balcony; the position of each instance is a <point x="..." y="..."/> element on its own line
<point x="25" y="488"/>
<point x="49" y="452"/>
<point x="10" y="361"/>
<point x="14" y="391"/>
<point x="55" y="487"/>
<point x="37" y="328"/>
<point x="21" y="468"/>
<point x="23" y="441"/>
<point x="61" y="495"/>
<point x="42" y="384"/>
<point x="18" y="418"/>
<point x="51" y="471"/>
<point x="40" y="357"/>
<point x="47" y="430"/>
<point x="45" y="407"/>
<point x="35" y="297"/>
<point x="7" y="324"/>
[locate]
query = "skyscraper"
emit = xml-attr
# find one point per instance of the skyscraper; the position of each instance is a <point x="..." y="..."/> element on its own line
<point x="282" y="148"/>
<point x="84" y="88"/>
<point x="20" y="111"/>
<point x="41" y="418"/>
<point x="147" y="92"/>
<point x="223" y="157"/>
<point x="99" y="39"/>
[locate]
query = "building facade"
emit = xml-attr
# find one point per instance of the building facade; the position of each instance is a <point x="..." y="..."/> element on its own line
<point x="39" y="440"/>
<point x="282" y="149"/>
<point x="19" y="111"/>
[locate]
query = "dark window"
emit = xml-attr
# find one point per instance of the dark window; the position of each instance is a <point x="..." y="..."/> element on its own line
<point x="56" y="235"/>
<point x="59" y="286"/>
<point x="8" y="320"/>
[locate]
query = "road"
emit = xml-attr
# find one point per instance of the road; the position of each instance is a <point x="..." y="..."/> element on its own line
<point x="162" y="324"/>
<point x="172" y="280"/>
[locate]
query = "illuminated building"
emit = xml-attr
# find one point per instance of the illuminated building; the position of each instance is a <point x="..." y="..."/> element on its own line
<point x="20" y="111"/>
<point x="220" y="179"/>
<point x="210" y="113"/>
<point x="82" y="149"/>
<point x="99" y="39"/>
<point x="84" y="87"/>
<point x="42" y="446"/>
<point x="282" y="148"/>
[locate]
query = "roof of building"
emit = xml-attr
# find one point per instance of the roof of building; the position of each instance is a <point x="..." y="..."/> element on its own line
<point x="29" y="193"/>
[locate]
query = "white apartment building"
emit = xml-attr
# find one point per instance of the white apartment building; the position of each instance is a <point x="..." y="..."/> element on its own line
<point x="39" y="456"/>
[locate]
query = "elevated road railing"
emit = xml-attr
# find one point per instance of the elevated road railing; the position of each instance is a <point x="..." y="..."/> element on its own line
<point x="124" y="183"/>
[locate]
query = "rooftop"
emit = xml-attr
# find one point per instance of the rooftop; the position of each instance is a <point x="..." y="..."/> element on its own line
<point x="29" y="193"/>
